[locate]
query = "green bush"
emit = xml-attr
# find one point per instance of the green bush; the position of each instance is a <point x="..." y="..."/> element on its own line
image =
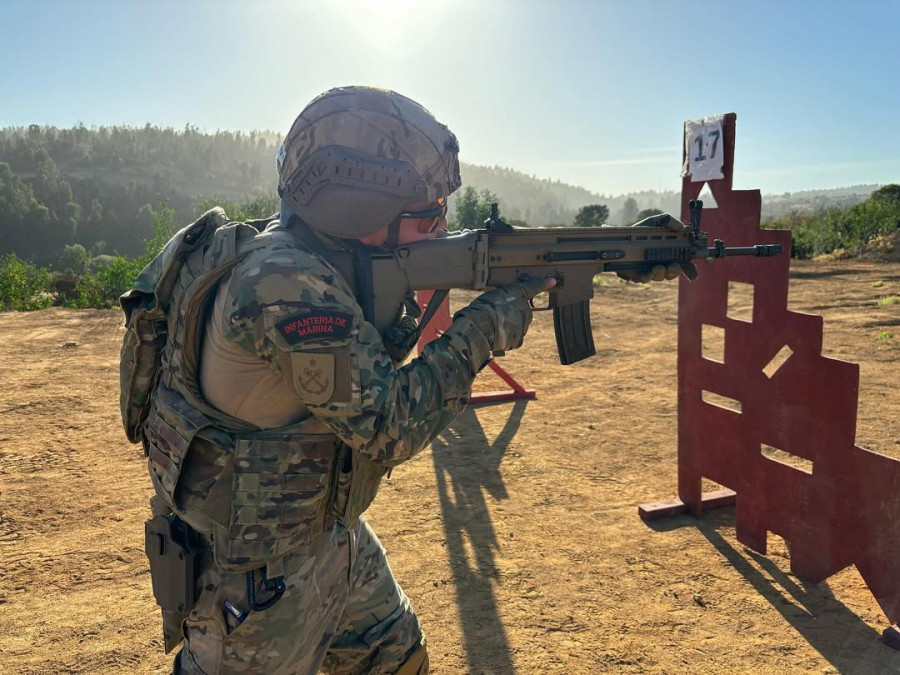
<point x="64" y="287"/>
<point x="75" y="259"/>
<point x="24" y="286"/>
<point x="103" y="286"/>
<point x="98" y="288"/>
<point x="117" y="277"/>
<point x="836" y="228"/>
<point x="79" y="281"/>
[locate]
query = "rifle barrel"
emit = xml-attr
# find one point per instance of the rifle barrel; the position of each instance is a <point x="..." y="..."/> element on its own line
<point x="759" y="251"/>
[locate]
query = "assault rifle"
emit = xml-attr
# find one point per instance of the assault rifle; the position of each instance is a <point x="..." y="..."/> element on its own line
<point x="500" y="254"/>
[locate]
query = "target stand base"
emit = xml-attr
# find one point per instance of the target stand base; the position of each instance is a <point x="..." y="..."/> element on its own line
<point x="675" y="507"/>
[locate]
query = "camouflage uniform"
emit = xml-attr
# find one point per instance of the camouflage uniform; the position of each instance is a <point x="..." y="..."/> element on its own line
<point x="342" y="608"/>
<point x="278" y="408"/>
<point x="286" y="308"/>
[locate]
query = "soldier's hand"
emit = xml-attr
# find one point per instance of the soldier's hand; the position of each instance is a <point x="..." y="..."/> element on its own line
<point x="504" y="314"/>
<point x="398" y="338"/>
<point x="650" y="273"/>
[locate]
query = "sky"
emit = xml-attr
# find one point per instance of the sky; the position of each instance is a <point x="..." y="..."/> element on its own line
<point x="593" y="93"/>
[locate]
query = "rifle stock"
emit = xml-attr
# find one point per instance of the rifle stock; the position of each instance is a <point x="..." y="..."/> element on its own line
<point x="499" y="255"/>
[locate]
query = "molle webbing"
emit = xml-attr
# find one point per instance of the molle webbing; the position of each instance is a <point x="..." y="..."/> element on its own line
<point x="146" y="307"/>
<point x="280" y="480"/>
<point x="191" y="299"/>
<point x="284" y="486"/>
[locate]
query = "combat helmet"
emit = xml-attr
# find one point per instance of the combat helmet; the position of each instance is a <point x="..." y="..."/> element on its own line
<point x="357" y="156"/>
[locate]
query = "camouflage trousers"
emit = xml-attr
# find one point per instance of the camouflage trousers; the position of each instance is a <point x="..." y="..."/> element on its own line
<point x="342" y="611"/>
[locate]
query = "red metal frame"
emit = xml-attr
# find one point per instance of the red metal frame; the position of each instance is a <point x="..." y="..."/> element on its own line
<point x="516" y="393"/>
<point x="439" y="322"/>
<point x="844" y="508"/>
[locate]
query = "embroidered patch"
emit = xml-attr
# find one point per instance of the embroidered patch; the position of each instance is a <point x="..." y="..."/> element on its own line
<point x="313" y="376"/>
<point x="315" y="326"/>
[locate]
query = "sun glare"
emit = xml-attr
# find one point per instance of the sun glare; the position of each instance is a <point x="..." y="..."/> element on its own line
<point x="392" y="26"/>
<point x="388" y="6"/>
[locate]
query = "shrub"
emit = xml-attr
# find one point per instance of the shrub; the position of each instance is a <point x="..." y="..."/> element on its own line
<point x="117" y="277"/>
<point x="75" y="259"/>
<point x="64" y="287"/>
<point x="830" y="230"/>
<point x="24" y="286"/>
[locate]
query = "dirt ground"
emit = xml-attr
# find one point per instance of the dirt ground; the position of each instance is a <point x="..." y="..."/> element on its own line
<point x="516" y="535"/>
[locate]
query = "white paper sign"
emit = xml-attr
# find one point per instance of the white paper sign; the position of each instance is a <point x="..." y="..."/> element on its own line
<point x="704" y="149"/>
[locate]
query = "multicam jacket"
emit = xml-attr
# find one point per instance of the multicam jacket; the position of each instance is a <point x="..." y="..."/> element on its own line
<point x="261" y="493"/>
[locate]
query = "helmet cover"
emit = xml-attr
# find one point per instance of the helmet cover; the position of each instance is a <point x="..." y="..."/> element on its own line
<point x="357" y="156"/>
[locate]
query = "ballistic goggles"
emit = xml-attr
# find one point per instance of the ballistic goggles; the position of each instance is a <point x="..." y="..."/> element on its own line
<point x="431" y="218"/>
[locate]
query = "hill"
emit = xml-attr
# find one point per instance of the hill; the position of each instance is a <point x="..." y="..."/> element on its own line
<point x="810" y="201"/>
<point x="99" y="186"/>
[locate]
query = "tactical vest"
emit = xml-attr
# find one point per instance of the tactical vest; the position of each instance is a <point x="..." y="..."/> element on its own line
<point x="257" y="494"/>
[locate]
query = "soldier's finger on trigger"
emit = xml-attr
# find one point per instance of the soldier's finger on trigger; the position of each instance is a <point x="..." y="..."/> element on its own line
<point x="533" y="286"/>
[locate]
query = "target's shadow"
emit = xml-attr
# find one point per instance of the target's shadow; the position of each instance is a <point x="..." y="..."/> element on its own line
<point x="811" y="609"/>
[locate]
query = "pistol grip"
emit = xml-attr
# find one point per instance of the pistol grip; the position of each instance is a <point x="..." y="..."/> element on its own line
<point x="574" y="340"/>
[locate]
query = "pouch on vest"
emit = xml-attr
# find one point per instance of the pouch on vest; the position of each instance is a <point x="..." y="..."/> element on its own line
<point x="145" y="307"/>
<point x="173" y="430"/>
<point x="280" y="498"/>
<point x="259" y="496"/>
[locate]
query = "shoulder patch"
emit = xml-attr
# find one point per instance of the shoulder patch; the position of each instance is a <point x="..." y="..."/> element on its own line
<point x="315" y="325"/>
<point x="313" y="376"/>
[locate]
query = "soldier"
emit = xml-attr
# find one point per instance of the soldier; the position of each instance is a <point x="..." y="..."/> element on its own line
<point x="278" y="413"/>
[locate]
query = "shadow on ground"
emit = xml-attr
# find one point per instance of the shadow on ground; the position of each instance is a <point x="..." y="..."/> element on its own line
<point x="467" y="465"/>
<point x="811" y="609"/>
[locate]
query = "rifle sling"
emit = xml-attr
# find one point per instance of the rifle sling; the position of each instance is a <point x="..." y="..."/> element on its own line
<point x="355" y="267"/>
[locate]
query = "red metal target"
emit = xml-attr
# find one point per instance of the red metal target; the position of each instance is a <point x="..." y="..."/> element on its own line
<point x="774" y="420"/>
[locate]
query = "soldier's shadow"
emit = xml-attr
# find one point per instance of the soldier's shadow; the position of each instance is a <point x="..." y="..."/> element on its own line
<point x="811" y="609"/>
<point x="467" y="465"/>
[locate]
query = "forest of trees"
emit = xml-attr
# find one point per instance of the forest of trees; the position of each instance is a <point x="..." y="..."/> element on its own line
<point x="98" y="187"/>
<point x="82" y="209"/>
